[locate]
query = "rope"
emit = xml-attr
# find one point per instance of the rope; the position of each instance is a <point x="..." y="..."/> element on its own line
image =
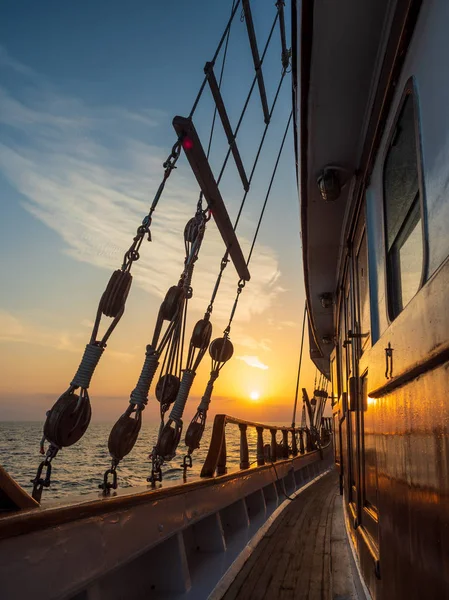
<point x="269" y="189"/>
<point x="225" y="259"/>
<point x="219" y="87"/>
<point x="196" y="427"/>
<point x="299" y="366"/>
<point x="183" y="393"/>
<point x="242" y="283"/>
<point x="189" y="373"/>
<point x="205" y="400"/>
<point x="217" y="52"/>
<point x="220" y="80"/>
<point x="89" y="361"/>
<point x="245" y="106"/>
<point x="139" y="395"/>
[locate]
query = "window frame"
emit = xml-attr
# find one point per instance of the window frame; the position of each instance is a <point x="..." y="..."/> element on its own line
<point x="393" y="311"/>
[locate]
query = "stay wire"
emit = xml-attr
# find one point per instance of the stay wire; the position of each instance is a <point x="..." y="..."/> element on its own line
<point x="269" y="189"/>
<point x="259" y="150"/>
<point x="245" y="106"/>
<point x="241" y="283"/>
<point x="224" y="260"/>
<point x="220" y="82"/>
<point x="220" y="44"/>
<point x="209" y="145"/>
<point x="225" y="37"/>
<point x="299" y="366"/>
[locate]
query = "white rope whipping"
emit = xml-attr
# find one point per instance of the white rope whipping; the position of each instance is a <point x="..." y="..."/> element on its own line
<point x="139" y="395"/>
<point x="205" y="400"/>
<point x="91" y="357"/>
<point x="183" y="393"/>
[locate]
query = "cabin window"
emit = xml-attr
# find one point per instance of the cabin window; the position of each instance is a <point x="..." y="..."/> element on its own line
<point x="404" y="238"/>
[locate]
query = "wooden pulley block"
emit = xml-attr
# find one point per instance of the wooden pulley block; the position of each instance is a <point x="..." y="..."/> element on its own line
<point x="171" y="302"/>
<point x="201" y="334"/>
<point x="220" y="353"/>
<point x="124" y="435"/>
<point x="116" y="293"/>
<point x="67" y="420"/>
<point x="191" y="230"/>
<point x="194" y="434"/>
<point x="169" y="440"/>
<point x="320" y="394"/>
<point x="167" y="388"/>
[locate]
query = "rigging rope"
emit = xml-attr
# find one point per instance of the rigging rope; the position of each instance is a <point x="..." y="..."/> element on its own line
<point x="169" y="435"/>
<point x="214" y="59"/>
<point x="68" y="419"/>
<point x="299" y="365"/>
<point x="221" y="349"/>
<point x="170" y="386"/>
<point x="248" y="98"/>
<point x="173" y="309"/>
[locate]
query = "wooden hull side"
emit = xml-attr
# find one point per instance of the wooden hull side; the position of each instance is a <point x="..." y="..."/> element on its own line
<point x="390" y="366"/>
<point x="150" y="543"/>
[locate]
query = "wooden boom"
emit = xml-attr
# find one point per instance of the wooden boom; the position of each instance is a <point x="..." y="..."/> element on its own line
<point x="203" y="173"/>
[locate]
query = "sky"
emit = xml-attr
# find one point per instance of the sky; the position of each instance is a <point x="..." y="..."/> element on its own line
<point x="88" y="91"/>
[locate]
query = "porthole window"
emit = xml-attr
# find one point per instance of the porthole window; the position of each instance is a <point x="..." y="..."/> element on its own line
<point x="403" y="228"/>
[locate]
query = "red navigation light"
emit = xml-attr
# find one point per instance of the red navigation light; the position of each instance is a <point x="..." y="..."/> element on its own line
<point x="187" y="143"/>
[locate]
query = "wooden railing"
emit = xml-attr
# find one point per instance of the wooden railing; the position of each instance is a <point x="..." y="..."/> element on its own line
<point x="295" y="440"/>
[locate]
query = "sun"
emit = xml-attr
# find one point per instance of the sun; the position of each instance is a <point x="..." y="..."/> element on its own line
<point x="254" y="395"/>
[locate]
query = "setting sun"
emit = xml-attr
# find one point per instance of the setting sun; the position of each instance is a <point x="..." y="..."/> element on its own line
<point x="254" y="395"/>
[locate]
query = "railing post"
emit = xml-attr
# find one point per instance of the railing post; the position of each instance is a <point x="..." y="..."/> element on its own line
<point x="244" y="455"/>
<point x="309" y="445"/>
<point x="301" y="442"/>
<point x="221" y="465"/>
<point x="260" y="455"/>
<point x="285" y="442"/>
<point x="218" y="433"/>
<point x="294" y="444"/>
<point x="274" y="453"/>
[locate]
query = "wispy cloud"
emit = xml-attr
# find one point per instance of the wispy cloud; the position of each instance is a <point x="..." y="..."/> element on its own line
<point x="279" y="325"/>
<point x="87" y="174"/>
<point x="253" y="361"/>
<point x="242" y="338"/>
<point x="15" y="329"/>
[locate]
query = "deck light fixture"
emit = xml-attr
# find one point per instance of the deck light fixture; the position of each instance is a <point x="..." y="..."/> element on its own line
<point x="326" y="300"/>
<point x="329" y="184"/>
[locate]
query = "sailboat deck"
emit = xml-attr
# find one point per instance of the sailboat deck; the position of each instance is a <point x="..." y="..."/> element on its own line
<point x="305" y="553"/>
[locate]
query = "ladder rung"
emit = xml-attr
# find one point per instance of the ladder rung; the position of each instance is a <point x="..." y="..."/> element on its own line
<point x="256" y="58"/>
<point x="209" y="70"/>
<point x="285" y="56"/>
<point x="200" y="166"/>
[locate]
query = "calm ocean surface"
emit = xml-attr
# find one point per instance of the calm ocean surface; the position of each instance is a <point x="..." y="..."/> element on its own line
<point x="79" y="469"/>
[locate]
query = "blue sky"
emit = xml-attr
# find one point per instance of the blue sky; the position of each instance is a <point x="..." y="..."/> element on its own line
<point x="87" y="94"/>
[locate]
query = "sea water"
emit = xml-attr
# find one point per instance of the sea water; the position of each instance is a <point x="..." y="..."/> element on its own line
<point x="80" y="468"/>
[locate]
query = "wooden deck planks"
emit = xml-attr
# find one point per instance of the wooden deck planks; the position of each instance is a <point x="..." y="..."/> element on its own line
<point x="293" y="559"/>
